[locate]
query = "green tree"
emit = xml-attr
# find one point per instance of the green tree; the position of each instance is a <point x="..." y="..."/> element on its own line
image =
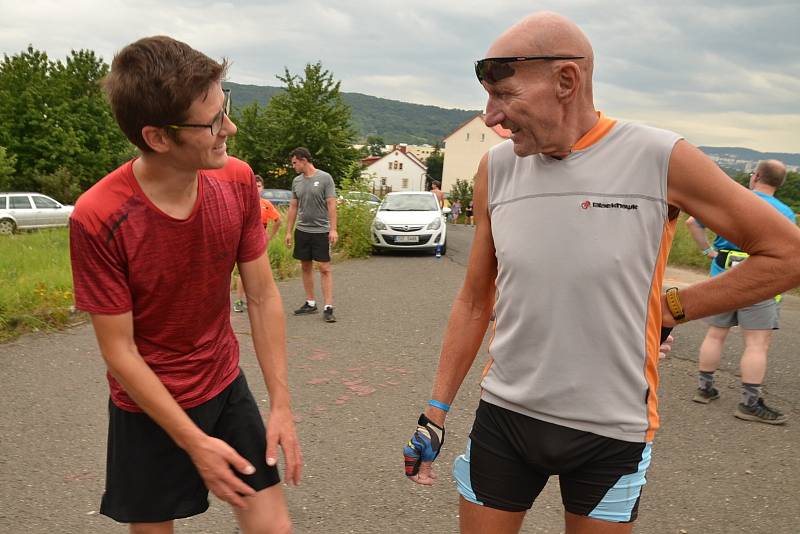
<point x="310" y="113"/>
<point x="7" y="169"/>
<point x="251" y="142"/>
<point x="53" y="118"/>
<point x="435" y="164"/>
<point x="375" y="144"/>
<point x="461" y="190"/>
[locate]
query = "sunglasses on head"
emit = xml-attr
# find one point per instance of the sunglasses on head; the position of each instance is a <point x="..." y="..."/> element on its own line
<point x="494" y="69"/>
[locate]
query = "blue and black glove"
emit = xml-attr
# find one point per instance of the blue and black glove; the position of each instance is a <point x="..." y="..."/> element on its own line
<point x="424" y="445"/>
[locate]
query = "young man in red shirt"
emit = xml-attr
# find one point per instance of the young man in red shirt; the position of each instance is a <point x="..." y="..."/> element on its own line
<point x="153" y="244"/>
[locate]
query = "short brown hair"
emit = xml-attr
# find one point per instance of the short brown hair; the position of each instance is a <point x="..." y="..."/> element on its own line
<point x="300" y="153"/>
<point x="260" y="180"/>
<point x="154" y="81"/>
<point x="771" y="172"/>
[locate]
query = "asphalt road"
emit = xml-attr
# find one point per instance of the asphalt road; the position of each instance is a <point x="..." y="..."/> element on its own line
<point x="358" y="386"/>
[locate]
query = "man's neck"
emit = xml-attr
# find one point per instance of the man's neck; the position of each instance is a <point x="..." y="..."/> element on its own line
<point x="764" y="189"/>
<point x="310" y="171"/>
<point x="576" y="125"/>
<point x="172" y="189"/>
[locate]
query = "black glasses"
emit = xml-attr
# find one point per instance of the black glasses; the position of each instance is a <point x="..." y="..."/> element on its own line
<point x="494" y="69"/>
<point x="216" y="122"/>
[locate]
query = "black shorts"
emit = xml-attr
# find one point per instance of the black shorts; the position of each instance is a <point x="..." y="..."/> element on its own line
<point x="510" y="457"/>
<point x="150" y="479"/>
<point x="310" y="246"/>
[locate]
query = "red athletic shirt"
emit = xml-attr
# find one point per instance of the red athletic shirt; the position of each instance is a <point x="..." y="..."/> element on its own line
<point x="173" y="275"/>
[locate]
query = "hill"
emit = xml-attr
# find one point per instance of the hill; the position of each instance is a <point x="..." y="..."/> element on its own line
<point x="747" y="154"/>
<point x="394" y="121"/>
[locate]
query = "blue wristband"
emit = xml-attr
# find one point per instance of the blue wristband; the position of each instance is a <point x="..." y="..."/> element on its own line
<point x="440" y="405"/>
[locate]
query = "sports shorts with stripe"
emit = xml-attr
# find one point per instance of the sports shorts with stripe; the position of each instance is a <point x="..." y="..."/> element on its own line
<point x="510" y="457"/>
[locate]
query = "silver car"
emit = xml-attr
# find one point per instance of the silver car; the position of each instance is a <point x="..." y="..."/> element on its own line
<point x="22" y="211"/>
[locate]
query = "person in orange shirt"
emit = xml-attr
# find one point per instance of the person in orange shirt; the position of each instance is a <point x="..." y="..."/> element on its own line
<point x="268" y="213"/>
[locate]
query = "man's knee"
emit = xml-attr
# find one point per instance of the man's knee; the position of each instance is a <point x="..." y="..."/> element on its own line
<point x="325" y="268"/>
<point x="307" y="266"/>
<point x="165" y="527"/>
<point x="716" y="333"/>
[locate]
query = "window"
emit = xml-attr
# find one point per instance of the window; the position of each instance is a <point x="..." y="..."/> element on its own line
<point x="3" y="202"/>
<point x="44" y="203"/>
<point x="467" y="136"/>
<point x="17" y="202"/>
<point x="383" y="181"/>
<point x="405" y="183"/>
<point x="401" y="166"/>
<point x="483" y="138"/>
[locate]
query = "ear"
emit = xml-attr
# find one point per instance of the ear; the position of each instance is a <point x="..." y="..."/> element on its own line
<point x="568" y="81"/>
<point x="157" y="139"/>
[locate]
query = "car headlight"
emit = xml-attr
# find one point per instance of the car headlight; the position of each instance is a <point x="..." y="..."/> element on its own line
<point x="378" y="224"/>
<point x="434" y="224"/>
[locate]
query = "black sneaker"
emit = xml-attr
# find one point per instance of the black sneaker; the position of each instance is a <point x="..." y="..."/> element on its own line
<point x="239" y="306"/>
<point x="760" y="412"/>
<point x="305" y="309"/>
<point x="327" y="314"/>
<point x="704" y="396"/>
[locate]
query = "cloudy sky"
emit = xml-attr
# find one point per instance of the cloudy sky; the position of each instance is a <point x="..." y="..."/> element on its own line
<point x="722" y="73"/>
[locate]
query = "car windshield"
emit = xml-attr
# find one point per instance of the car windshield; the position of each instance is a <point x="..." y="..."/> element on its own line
<point x="409" y="203"/>
<point x="272" y="193"/>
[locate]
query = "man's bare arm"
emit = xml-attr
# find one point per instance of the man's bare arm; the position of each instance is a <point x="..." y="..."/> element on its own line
<point x="333" y="233"/>
<point x="290" y="218"/>
<point x="698" y="186"/>
<point x="473" y="305"/>
<point x="698" y="233"/>
<point x="211" y="456"/>
<point x="265" y="309"/>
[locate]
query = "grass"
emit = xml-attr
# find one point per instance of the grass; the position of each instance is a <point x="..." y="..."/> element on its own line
<point x="36" y="282"/>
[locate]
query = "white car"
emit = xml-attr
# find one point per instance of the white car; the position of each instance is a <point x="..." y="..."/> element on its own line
<point x="410" y="221"/>
<point x="23" y="211"/>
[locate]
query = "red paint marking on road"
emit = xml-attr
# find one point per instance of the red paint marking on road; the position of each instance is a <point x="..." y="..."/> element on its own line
<point x="319" y="355"/>
<point x="317" y="381"/>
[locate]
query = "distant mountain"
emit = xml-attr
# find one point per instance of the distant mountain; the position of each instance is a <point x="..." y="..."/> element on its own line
<point x="747" y="154"/>
<point x="394" y="121"/>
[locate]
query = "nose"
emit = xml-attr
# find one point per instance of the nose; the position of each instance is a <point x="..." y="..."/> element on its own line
<point x="494" y="114"/>
<point x="228" y="126"/>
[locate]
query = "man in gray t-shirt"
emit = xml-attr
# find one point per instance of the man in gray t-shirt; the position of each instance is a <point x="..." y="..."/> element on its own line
<point x="313" y="207"/>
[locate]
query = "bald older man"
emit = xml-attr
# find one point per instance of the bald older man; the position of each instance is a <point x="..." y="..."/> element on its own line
<point x="575" y="216"/>
<point x="756" y="322"/>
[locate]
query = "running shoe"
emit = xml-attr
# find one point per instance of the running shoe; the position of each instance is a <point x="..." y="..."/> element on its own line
<point x="306" y="309"/>
<point x="760" y="412"/>
<point x="327" y="314"/>
<point x="238" y="306"/>
<point x="704" y="396"/>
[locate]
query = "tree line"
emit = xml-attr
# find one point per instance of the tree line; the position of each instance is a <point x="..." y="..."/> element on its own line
<point x="58" y="135"/>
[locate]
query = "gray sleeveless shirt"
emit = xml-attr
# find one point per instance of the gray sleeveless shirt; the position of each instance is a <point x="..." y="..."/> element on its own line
<point x="581" y="247"/>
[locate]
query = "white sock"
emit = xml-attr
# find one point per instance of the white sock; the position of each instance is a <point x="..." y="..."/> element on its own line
<point x="311" y="302"/>
<point x="328" y="306"/>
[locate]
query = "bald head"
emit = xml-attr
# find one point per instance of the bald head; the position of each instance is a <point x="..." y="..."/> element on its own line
<point x="771" y="172"/>
<point x="545" y="34"/>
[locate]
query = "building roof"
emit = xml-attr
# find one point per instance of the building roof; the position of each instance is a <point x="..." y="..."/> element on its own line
<point x="499" y="130"/>
<point x="372" y="160"/>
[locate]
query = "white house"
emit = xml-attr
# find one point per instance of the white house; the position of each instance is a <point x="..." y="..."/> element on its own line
<point x="397" y="170"/>
<point x="465" y="147"/>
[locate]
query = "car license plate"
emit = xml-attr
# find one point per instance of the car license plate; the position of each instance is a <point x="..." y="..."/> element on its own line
<point x="407" y="239"/>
